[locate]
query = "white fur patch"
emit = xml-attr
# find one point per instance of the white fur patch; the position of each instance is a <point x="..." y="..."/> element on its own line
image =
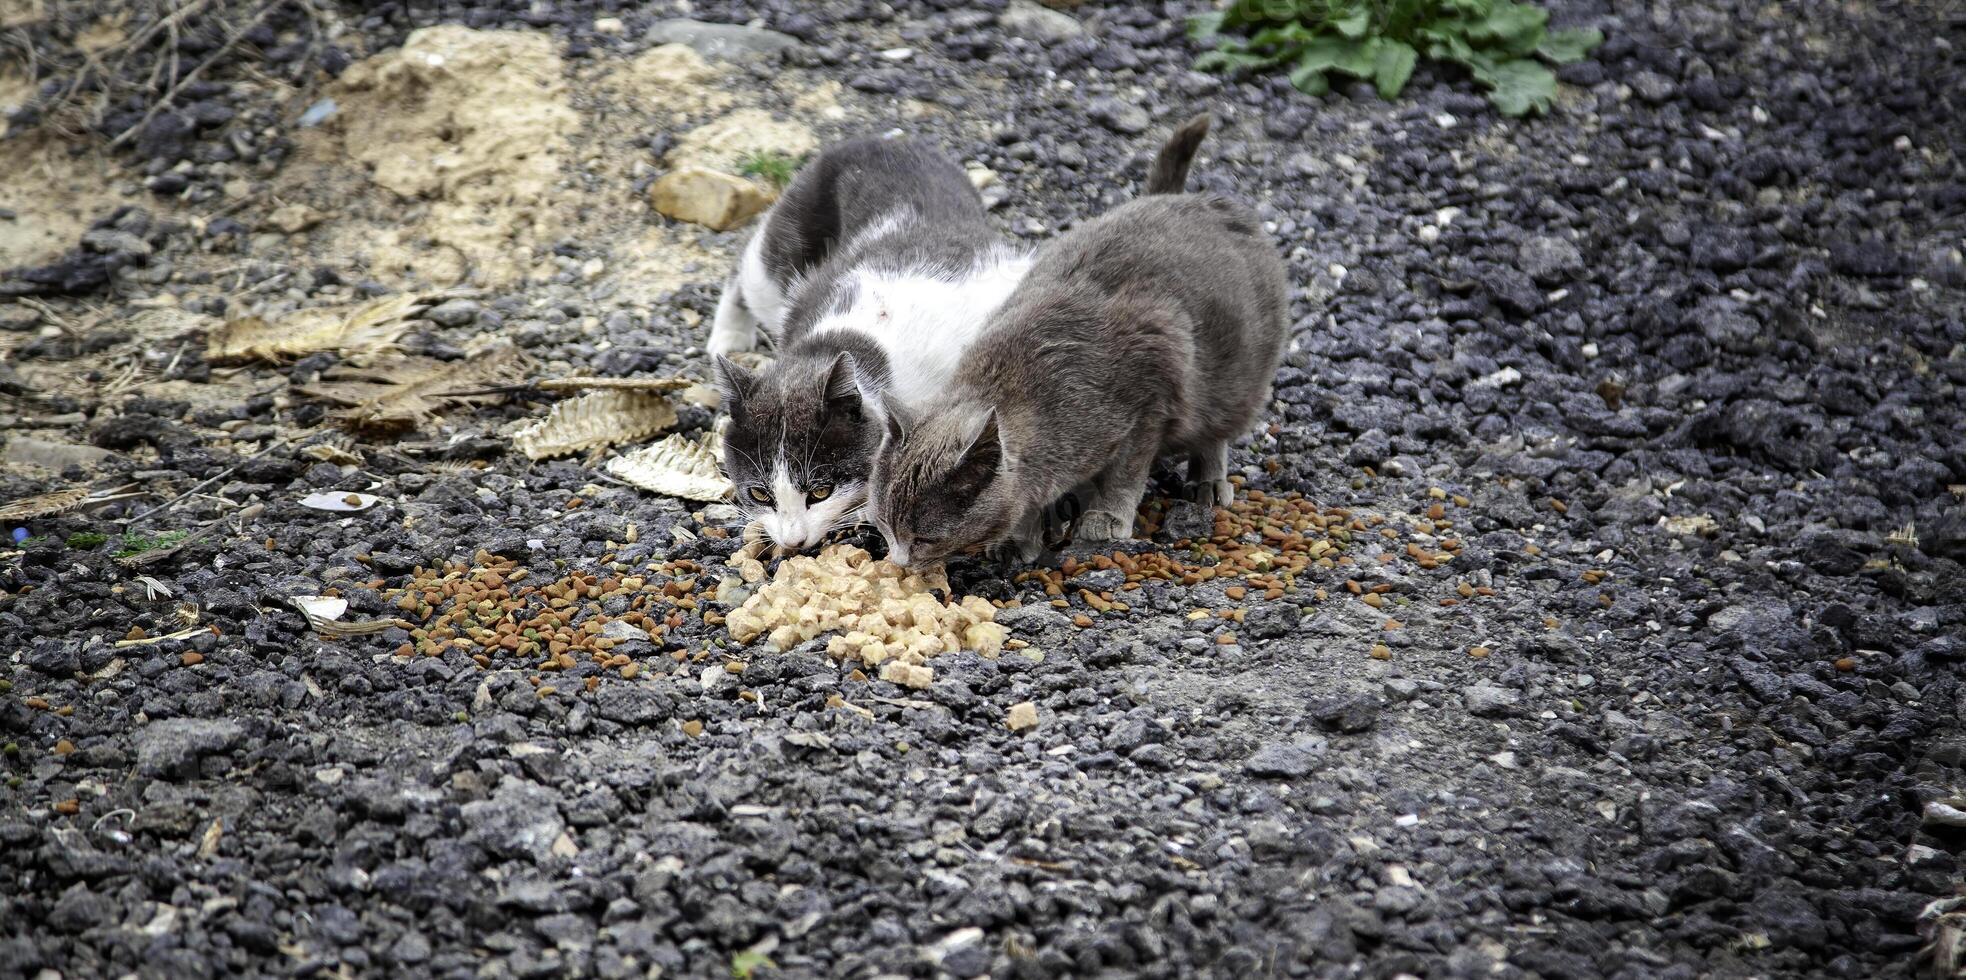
<point x="794" y="525"/>
<point x="924" y="320"/>
<point x="765" y="300"/>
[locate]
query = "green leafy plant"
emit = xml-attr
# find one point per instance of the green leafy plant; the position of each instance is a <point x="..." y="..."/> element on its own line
<point x="1503" y="44"/>
<point x="136" y="544"/>
<point x="747" y="962"/>
<point x="86" y="539"/>
<point x="770" y="165"/>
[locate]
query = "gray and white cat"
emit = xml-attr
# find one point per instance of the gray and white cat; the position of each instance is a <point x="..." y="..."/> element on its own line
<point x="1154" y="329"/>
<point x="875" y="270"/>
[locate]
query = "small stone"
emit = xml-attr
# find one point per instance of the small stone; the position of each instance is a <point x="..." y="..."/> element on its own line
<point x="454" y="313"/>
<point x="729" y="42"/>
<point x="1286" y="759"/>
<point x="293" y="218"/>
<point x="1023" y="716"/>
<point x="1120" y="117"/>
<point x="1550" y="260"/>
<point x="172" y="747"/>
<point x="1485" y="701"/>
<point x="1033" y="22"/>
<point x="710" y="198"/>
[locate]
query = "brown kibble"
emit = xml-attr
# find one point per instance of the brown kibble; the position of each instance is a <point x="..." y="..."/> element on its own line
<point x="1393" y="624"/>
<point x="1081" y="621"/>
<point x="1380" y="651"/>
<point x="1226" y="640"/>
<point x="1460" y="501"/>
<point x="1550" y="623"/>
<point x="135" y="633"/>
<point x="1235" y="592"/>
<point x="192" y="658"/>
<point x="1479" y="652"/>
<point x="1375" y="600"/>
<point x="628" y="671"/>
<point x="693" y="728"/>
<point x="1559" y="506"/>
<point x="64" y="747"/>
<point x="1846" y="664"/>
<point x="68" y="807"/>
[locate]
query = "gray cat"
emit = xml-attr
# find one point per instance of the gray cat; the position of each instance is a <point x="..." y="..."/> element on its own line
<point x="876" y="269"/>
<point x="1154" y="329"/>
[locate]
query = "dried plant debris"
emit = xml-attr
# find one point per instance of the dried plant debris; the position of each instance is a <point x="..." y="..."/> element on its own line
<point x="44" y="505"/>
<point x="596" y="420"/>
<point x="1942" y="924"/>
<point x="677" y="467"/>
<point x="351" y="330"/>
<point x="891" y="618"/>
<point x="340" y="452"/>
<point x="407" y="392"/>
<point x="617" y="384"/>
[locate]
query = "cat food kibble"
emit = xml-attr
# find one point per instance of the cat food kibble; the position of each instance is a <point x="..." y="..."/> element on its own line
<point x="883" y="615"/>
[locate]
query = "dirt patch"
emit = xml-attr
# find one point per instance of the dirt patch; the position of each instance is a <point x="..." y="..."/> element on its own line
<point x="469" y="130"/>
<point x="723" y="143"/>
<point x="53" y="196"/>
<point x="492" y="153"/>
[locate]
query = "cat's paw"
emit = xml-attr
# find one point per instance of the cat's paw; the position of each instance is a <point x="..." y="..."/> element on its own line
<point x="724" y="343"/>
<point x="1099" y="525"/>
<point x="1215" y="493"/>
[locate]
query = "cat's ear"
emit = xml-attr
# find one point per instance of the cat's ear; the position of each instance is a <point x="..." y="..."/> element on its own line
<point x="981" y="461"/>
<point x="843" y="395"/>
<point x="891" y="421"/>
<point x="733" y="384"/>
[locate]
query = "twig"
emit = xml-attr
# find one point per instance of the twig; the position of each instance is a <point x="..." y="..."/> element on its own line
<point x="275" y="444"/>
<point x="192" y="75"/>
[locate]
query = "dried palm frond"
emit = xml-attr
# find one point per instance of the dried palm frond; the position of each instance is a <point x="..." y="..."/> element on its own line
<point x="596" y="420"/>
<point x="339" y="450"/>
<point x="582" y="383"/>
<point x="407" y="392"/>
<point x="676" y="467"/>
<point x="44" y="505"/>
<point x="360" y="329"/>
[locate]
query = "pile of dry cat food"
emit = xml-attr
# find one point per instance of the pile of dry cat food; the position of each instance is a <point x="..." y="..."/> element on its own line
<point x="483" y="609"/>
<point x="1264" y="543"/>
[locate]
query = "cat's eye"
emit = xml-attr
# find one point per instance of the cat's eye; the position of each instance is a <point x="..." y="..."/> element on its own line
<point x="819" y="493"/>
<point x="760" y="495"/>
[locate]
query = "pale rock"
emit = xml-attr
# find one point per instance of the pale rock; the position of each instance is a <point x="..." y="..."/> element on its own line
<point x="711" y="198"/>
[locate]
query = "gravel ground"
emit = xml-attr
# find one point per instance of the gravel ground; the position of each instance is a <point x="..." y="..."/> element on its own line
<point x="1632" y="438"/>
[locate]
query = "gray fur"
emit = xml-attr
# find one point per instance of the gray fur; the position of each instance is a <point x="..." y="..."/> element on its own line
<point x="862" y="204"/>
<point x="1155" y="329"/>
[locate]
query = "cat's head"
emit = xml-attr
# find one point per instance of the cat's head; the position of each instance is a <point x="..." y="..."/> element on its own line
<point x="939" y="486"/>
<point x="800" y="443"/>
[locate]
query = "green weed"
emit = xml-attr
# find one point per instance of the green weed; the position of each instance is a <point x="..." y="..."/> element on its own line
<point x="136" y="544"/>
<point x="770" y="165"/>
<point x="86" y="539"/>
<point x="1503" y="44"/>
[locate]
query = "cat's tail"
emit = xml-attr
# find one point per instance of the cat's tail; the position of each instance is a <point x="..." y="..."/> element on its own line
<point x="1169" y="174"/>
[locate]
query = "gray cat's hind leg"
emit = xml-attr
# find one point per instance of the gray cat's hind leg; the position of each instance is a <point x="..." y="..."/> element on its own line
<point x="1208" y="472"/>
<point x="1116" y="494"/>
<point x="734" y="329"/>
